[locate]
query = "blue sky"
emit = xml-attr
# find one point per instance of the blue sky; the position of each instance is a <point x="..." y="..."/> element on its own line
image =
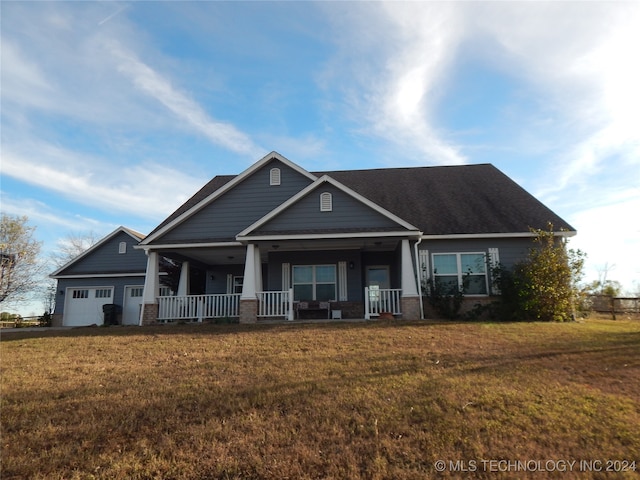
<point x="114" y="113"/>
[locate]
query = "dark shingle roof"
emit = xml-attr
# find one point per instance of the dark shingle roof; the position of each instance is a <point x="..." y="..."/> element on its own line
<point x="464" y="199"/>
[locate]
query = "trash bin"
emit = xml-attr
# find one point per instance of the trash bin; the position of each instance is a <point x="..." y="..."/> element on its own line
<point x="111" y="311"/>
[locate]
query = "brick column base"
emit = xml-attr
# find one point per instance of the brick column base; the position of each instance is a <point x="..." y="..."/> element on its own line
<point x="149" y="314"/>
<point x="249" y="311"/>
<point x="410" y="308"/>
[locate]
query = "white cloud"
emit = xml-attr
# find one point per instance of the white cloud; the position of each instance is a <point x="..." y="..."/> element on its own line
<point x="155" y="85"/>
<point x="147" y="191"/>
<point x="610" y="235"/>
<point x="395" y="76"/>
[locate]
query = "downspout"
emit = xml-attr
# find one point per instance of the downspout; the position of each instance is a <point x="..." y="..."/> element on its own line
<point x="415" y="247"/>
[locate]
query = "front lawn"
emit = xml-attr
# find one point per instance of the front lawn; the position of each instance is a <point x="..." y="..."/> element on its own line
<point x="342" y="400"/>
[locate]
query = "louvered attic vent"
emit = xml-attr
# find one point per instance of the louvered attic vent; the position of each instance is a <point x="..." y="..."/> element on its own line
<point x="275" y="176"/>
<point x="326" y="202"/>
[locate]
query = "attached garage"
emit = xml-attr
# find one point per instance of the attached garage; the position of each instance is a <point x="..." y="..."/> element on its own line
<point x="83" y="305"/>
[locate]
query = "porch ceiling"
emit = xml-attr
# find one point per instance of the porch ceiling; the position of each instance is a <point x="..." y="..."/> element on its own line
<point x="234" y="255"/>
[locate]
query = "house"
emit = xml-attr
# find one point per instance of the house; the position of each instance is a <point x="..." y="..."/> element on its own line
<point x="111" y="272"/>
<point x="280" y="241"/>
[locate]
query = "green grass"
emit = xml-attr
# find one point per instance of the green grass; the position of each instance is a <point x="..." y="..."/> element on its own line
<point x="345" y="400"/>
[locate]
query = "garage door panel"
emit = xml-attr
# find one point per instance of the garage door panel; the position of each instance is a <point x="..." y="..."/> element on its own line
<point x="83" y="305"/>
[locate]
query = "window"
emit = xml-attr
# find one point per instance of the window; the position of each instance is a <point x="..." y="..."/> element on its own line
<point x="326" y="202"/>
<point x="103" y="293"/>
<point x="80" y="294"/>
<point x="136" y="292"/>
<point x="314" y="282"/>
<point x="274" y="176"/>
<point x="452" y="271"/>
<point x="237" y="284"/>
<point x="122" y="248"/>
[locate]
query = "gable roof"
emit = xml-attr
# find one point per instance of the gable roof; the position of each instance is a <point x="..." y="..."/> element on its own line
<point x="137" y="236"/>
<point x="216" y="188"/>
<point x="402" y="224"/>
<point x="467" y="200"/>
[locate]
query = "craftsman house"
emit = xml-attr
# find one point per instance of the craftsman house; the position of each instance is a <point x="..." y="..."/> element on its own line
<point x="279" y="241"/>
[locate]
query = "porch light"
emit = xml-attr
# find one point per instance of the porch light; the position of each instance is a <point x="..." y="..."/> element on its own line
<point x="351" y="265"/>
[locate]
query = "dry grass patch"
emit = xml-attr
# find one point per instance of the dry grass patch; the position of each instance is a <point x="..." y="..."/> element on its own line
<point x="374" y="400"/>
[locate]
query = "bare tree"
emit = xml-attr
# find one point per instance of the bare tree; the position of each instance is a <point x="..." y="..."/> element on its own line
<point x="71" y="246"/>
<point x="20" y="271"/>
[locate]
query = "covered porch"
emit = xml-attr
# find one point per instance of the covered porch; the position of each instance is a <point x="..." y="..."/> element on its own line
<point x="285" y="279"/>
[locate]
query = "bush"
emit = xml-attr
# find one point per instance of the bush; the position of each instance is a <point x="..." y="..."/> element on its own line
<point x="45" y="320"/>
<point x="545" y="285"/>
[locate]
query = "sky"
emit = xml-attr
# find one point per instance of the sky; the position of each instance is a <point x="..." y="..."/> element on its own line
<point x="114" y="113"/>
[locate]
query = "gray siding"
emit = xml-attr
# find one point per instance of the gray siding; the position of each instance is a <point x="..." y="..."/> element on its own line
<point x="238" y="208"/>
<point x="347" y="214"/>
<point x="511" y="250"/>
<point x="116" y="282"/>
<point x="106" y="259"/>
<point x="273" y="279"/>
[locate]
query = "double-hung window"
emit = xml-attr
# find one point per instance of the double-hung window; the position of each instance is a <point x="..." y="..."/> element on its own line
<point x="314" y="282"/>
<point x="461" y="271"/>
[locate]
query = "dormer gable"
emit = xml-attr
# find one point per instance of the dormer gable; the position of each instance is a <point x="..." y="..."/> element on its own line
<point x="326" y="206"/>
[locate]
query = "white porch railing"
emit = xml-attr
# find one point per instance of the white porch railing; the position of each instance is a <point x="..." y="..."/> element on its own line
<point x="378" y="300"/>
<point x="198" y="307"/>
<point x="276" y="304"/>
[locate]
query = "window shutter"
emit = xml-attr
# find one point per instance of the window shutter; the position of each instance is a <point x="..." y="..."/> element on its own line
<point x="423" y="256"/>
<point x="274" y="178"/>
<point x="326" y="202"/>
<point x="342" y="281"/>
<point x="286" y="276"/>
<point x="494" y="261"/>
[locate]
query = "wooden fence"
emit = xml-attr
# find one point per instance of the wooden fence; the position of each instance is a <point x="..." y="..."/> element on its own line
<point x="614" y="305"/>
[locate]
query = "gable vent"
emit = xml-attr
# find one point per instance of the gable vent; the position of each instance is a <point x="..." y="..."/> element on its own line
<point x="326" y="202"/>
<point x="274" y="178"/>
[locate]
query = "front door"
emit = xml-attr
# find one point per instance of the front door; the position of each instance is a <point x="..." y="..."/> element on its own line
<point x="377" y="279"/>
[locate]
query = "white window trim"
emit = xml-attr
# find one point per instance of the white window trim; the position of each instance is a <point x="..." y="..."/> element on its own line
<point x="460" y="273"/>
<point x="314" y="283"/>
<point x="122" y="247"/>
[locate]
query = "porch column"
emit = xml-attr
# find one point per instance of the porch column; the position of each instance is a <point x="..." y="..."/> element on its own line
<point x="149" y="310"/>
<point x="249" y="298"/>
<point x="410" y="299"/>
<point x="183" y="284"/>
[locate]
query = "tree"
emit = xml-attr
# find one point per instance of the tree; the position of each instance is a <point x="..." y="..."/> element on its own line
<point x="71" y="246"/>
<point x="545" y="285"/>
<point x="20" y="270"/>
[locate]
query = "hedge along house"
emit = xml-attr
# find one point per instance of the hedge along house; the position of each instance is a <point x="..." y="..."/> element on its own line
<point x="111" y="272"/>
<point x="279" y="241"/>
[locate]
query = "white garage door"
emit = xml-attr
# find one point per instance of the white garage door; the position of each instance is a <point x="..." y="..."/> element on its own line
<point x="132" y="302"/>
<point x="83" y="306"/>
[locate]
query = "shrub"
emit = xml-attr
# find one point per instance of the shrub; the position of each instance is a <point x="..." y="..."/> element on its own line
<point x="545" y="285"/>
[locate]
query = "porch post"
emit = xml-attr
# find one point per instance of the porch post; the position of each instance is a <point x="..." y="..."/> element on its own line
<point x="410" y="300"/>
<point x="149" y="311"/>
<point x="249" y="298"/>
<point x="183" y="284"/>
